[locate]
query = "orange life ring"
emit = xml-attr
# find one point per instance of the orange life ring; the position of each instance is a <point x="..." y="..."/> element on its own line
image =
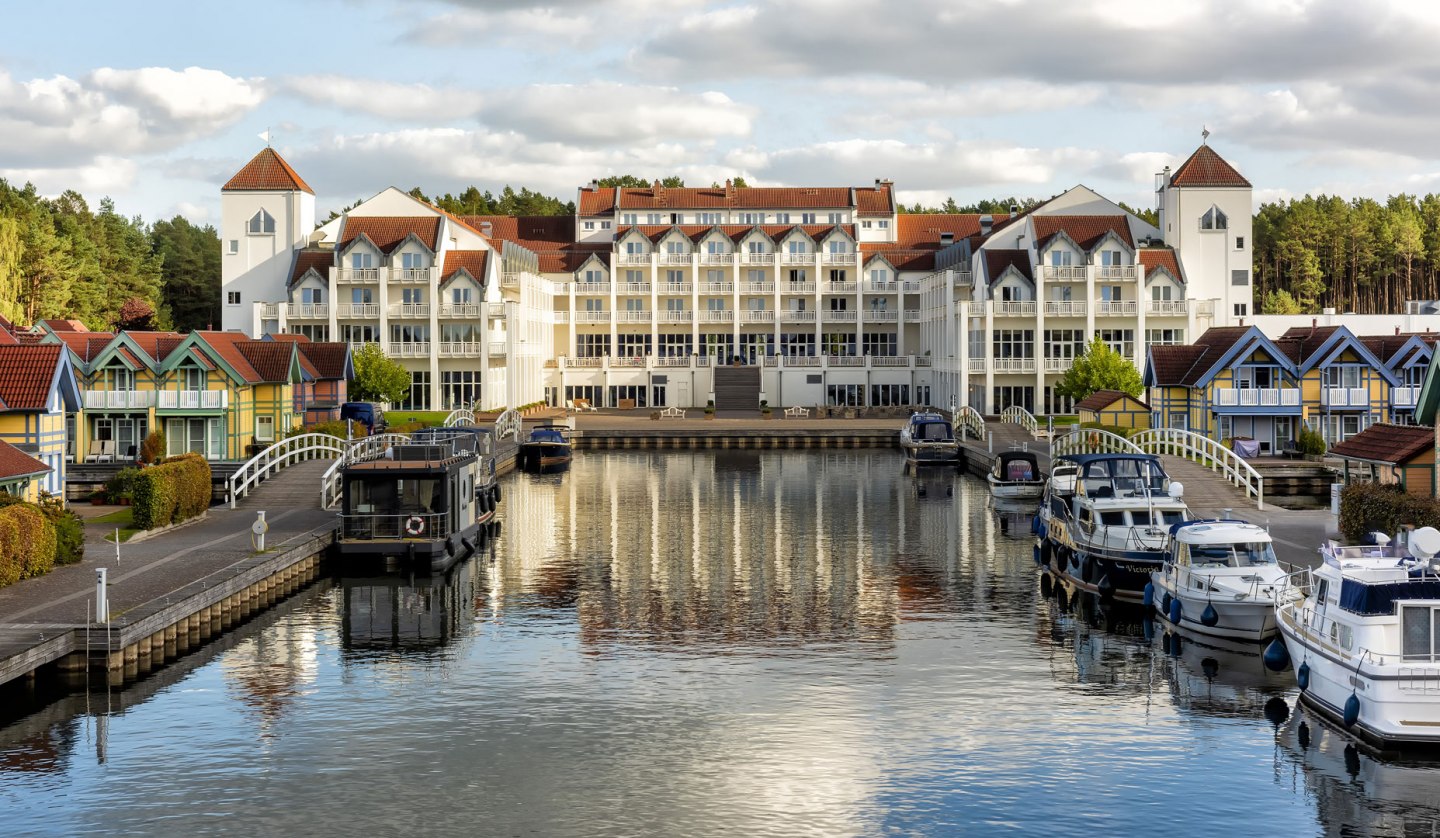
<point x="414" y="525"/>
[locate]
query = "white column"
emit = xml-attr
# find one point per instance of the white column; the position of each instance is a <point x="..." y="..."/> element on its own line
<point x="985" y="397"/>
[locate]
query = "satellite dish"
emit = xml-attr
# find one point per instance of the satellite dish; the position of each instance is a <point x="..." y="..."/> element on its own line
<point x="1425" y="543"/>
<point x="1177" y="489"/>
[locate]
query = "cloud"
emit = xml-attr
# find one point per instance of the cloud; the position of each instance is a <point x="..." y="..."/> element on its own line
<point x="544" y="29"/>
<point x="884" y="100"/>
<point x="606" y="113"/>
<point x="389" y="100"/>
<point x="105" y="175"/>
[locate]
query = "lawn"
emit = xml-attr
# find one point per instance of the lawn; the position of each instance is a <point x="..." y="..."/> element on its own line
<point x="108" y="523"/>
<point x="404" y="417"/>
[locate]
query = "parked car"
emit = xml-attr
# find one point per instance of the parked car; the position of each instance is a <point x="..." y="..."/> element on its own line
<point x="365" y="413"/>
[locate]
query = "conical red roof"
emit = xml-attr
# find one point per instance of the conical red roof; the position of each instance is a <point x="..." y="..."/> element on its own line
<point x="267" y="172"/>
<point x="1206" y="168"/>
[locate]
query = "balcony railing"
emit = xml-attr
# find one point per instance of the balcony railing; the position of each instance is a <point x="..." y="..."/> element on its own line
<point x="409" y="274"/>
<point x="831" y="257"/>
<point x="119" y="399"/>
<point x="717" y="288"/>
<point x="793" y="316"/>
<point x="592" y="317"/>
<point x="1065" y="308"/>
<point x="676" y="289"/>
<point x="510" y="279"/>
<point x="192" y="399"/>
<point x="633" y="258"/>
<point x="635" y="289"/>
<point x="839" y="316"/>
<point x="466" y="310"/>
<point x="499" y="349"/>
<point x="1014" y="364"/>
<point x="675" y="258"/>
<point x="591" y="289"/>
<point x="410" y="348"/>
<point x="410" y="311"/>
<point x="497" y="310"/>
<point x="632" y="316"/>
<point x="1257" y="397"/>
<point x="1115" y="308"/>
<point x="723" y="315"/>
<point x="911" y="286"/>
<point x="807" y="288"/>
<point x="308" y="311"/>
<point x="460" y="348"/>
<point x="1062" y="273"/>
<point x="358" y="311"/>
<point x="759" y="258"/>
<point x="1406" y="396"/>
<point x="758" y="316"/>
<point x="672" y="361"/>
<point x="842" y="287"/>
<point x="1115" y="273"/>
<point x="1205" y="308"/>
<point x="881" y="316"/>
<point x="674" y="316"/>
<point x="882" y="287"/>
<point x="582" y="363"/>
<point x="560" y="317"/>
<point x="1345" y="396"/>
<point x="350" y="276"/>
<point x="715" y="258"/>
<point x="1058" y="364"/>
<point x="269" y="311"/>
<point x="1014" y="308"/>
<point x="913" y="315"/>
<point x="798" y="258"/>
<point x="979" y="364"/>
<point x="1168" y="307"/>
<point x="765" y="288"/>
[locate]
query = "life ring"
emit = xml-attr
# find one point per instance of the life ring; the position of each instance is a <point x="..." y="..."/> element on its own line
<point x="414" y="525"/>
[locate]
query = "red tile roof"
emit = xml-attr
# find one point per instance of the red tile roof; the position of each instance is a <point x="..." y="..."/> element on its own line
<point x="997" y="260"/>
<point x="1183" y="365"/>
<point x="226" y="345"/>
<point x="266" y="172"/>
<point x="568" y="258"/>
<point x="471" y="260"/>
<point x="1155" y="258"/>
<point x="749" y="197"/>
<point x="1101" y="399"/>
<point x="924" y="229"/>
<point x="736" y="232"/>
<point x="156" y="344"/>
<point x="1300" y="342"/>
<point x="387" y="232"/>
<point x="15" y="463"/>
<point x="86" y="345"/>
<point x="305" y="260"/>
<point x="328" y="357"/>
<point x="878" y="200"/>
<point x="1386" y="443"/>
<point x="270" y="360"/>
<point x="1086" y="230"/>
<point x="6" y="338"/>
<point x="26" y="372"/>
<point x="529" y="231"/>
<point x="1206" y="168"/>
<point x="65" y="325"/>
<point x="903" y="259"/>
<point x="598" y="201"/>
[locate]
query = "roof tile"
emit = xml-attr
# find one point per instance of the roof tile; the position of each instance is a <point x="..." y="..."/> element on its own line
<point x="1206" y="168"/>
<point x="26" y="372"/>
<point x="16" y="463"/>
<point x="1086" y="230"/>
<point x="266" y="172"/>
<point x="387" y="232"/>
<point x="1386" y="443"/>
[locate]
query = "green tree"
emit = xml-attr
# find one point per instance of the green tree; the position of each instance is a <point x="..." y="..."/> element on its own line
<point x="189" y="272"/>
<point x="1100" y="368"/>
<point x="377" y="377"/>
<point x="1277" y="301"/>
<point x="633" y="182"/>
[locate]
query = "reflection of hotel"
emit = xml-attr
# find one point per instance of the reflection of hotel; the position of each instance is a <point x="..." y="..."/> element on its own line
<point x="660" y="296"/>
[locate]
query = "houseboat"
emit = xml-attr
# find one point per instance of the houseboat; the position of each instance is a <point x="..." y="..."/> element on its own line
<point x="1111" y="533"/>
<point x="546" y="449"/>
<point x="929" y="439"/>
<point x="1219" y="580"/>
<point x="1016" y="475"/>
<point x="482" y="442"/>
<point x="1361" y="635"/>
<point x="416" y="503"/>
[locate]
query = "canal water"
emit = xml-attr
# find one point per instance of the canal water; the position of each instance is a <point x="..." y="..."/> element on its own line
<point x="717" y="643"/>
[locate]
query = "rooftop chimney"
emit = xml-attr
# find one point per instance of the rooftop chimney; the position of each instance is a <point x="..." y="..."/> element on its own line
<point x="486" y="227"/>
<point x="1014" y="210"/>
<point x="594" y="183"/>
<point x="987" y="222"/>
<point x="947" y="238"/>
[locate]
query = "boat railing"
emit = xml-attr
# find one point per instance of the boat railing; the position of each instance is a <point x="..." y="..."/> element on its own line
<point x="368" y="448"/>
<point x="1207" y="452"/>
<point x="421" y="525"/>
<point x="1018" y="415"/>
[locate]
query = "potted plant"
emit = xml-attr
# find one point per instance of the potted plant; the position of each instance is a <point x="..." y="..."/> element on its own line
<point x="710" y="409"/>
<point x="655" y="414"/>
<point x="765" y="412"/>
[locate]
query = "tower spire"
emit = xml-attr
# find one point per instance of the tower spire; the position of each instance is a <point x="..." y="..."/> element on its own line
<point x="1204" y="135"/>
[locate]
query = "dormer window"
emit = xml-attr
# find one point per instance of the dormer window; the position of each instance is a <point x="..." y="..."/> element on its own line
<point x="261" y="223"/>
<point x="1214" y="219"/>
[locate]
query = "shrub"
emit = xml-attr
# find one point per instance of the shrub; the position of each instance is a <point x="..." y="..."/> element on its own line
<point x="69" y="530"/>
<point x="12" y="566"/>
<point x="1373" y="507"/>
<point x="335" y="428"/>
<point x="122" y="485"/>
<point x="152" y="448"/>
<point x="1311" y="442"/>
<point x="34" y="549"/>
<point x="174" y="491"/>
<point x="1123" y="433"/>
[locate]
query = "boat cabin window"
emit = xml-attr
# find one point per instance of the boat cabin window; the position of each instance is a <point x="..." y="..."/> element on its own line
<point x="1419" y="633"/>
<point x="1019" y="470"/>
<point x="933" y="432"/>
<point x="1087" y="518"/>
<point x="1112" y="519"/>
<point x="1123" y="478"/>
<point x="390" y="495"/>
<point x="1256" y="554"/>
<point x="1170" y="516"/>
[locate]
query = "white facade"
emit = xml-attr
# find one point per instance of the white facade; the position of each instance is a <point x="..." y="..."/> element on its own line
<point x="259" y="233"/>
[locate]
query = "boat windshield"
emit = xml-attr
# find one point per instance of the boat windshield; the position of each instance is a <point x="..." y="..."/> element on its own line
<point x="932" y="431"/>
<point x="1251" y="554"/>
<point x="1123" y="478"/>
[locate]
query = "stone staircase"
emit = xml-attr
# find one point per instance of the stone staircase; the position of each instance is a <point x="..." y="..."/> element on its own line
<point x="737" y="388"/>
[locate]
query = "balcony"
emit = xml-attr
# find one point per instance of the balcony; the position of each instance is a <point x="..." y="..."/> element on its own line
<point x="410" y="275"/>
<point x="269" y="311"/>
<point x="882" y="316"/>
<point x="581" y="363"/>
<point x="510" y="279"/>
<point x="356" y="276"/>
<point x="798" y="258"/>
<point x="1015" y="308"/>
<point x="979" y="364"/>
<point x="672" y="361"/>
<point x="307" y="311"/>
<point x="1407" y="396"/>
<point x="411" y="311"/>
<point x="635" y="289"/>
<point x="911" y="286"/>
<point x="759" y="316"/>
<point x="1014" y="365"/>
<point x="1116" y="308"/>
<point x="715" y="258"/>
<point x="913" y="315"/>
<point x="1162" y="308"/>
<point x="723" y="315"/>
<point x="633" y="258"/>
<point x="466" y="310"/>
<point x="592" y="317"/>
<point x="1065" y="308"/>
<point x="839" y="316"/>
<point x="119" y="399"/>
<point x="882" y="287"/>
<point x="762" y="288"/>
<point x="357" y="311"/>
<point x="676" y="289"/>
<point x="591" y="289"/>
<point x="1062" y="273"/>
<point x="1257" y="397"/>
<point x="410" y="349"/>
<point x="498" y="349"/>
<point x="192" y="399"/>
<point x="806" y="288"/>
<point x="831" y="257"/>
<point x="1058" y="364"/>
<point x="675" y="258"/>
<point x="791" y="315"/>
<point x="759" y="258"/>
<point x="632" y="316"/>
<point x="1115" y="273"/>
<point x="674" y="316"/>
<point x="497" y="309"/>
<point x="1353" y="397"/>
<point x="842" y="288"/>
<point x="715" y="289"/>
<point x="627" y="361"/>
<point x="460" y="349"/>
<point x="962" y="278"/>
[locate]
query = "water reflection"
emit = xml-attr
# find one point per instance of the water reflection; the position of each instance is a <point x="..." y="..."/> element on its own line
<point x="407" y="613"/>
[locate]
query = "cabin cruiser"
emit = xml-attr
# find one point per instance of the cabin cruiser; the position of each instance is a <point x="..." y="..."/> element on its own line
<point x="1016" y="474"/>
<point x="1363" y="635"/>
<point x="1111" y="532"/>
<point x="1220" y="580"/>
<point x="929" y="438"/>
<point x="547" y="448"/>
<point x="421" y="503"/>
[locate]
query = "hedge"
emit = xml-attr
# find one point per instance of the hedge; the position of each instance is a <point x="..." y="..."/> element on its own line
<point x="176" y="490"/>
<point x="68" y="533"/>
<point x="1375" y="507"/>
<point x="1123" y="433"/>
<point x="27" y="543"/>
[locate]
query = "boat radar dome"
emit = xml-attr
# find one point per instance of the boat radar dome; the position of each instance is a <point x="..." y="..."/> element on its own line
<point x="1425" y="543"/>
<point x="1379" y="538"/>
<point x="1177" y="489"/>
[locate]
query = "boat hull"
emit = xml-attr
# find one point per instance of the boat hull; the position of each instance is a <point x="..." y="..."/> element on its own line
<point x="534" y="456"/>
<point x="1249" y="621"/>
<point x="932" y="455"/>
<point x="1128" y="574"/>
<point x="417" y="553"/>
<point x="1015" y="489"/>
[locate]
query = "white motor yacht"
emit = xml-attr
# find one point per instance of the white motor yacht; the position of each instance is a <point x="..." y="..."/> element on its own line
<point x="1219" y="579"/>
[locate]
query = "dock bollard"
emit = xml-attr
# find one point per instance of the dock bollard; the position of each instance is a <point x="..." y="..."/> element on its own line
<point x="258" y="529"/>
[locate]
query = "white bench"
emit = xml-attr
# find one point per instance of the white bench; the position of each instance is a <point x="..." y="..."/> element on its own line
<point x="797" y="412"/>
<point x="672" y="413"/>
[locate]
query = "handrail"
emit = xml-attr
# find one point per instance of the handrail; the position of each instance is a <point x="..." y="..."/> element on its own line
<point x="361" y="449"/>
<point x="1092" y="441"/>
<point x="508" y="424"/>
<point x="278" y="456"/>
<point x="970" y="419"/>
<point x="460" y="416"/>
<point x="1208" y="453"/>
<point x="1022" y="417"/>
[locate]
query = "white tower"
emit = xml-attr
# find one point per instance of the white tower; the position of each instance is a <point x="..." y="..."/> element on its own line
<point x="266" y="212"/>
<point x="1206" y="215"/>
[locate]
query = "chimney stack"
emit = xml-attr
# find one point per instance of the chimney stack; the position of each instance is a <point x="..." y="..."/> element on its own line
<point x="1014" y="210"/>
<point x="946" y="239"/>
<point x="987" y="223"/>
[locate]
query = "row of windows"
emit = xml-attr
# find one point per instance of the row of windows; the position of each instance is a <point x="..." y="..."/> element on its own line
<point x="640" y="246"/>
<point x="656" y="218"/>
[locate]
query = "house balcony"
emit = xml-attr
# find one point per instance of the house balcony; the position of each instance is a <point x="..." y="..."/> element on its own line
<point x="307" y="311"/>
<point x="914" y="315"/>
<point x="1116" y="273"/>
<point x="410" y="349"/>
<point x="1267" y="398"/>
<point x="634" y="289"/>
<point x="798" y="258"/>
<point x="592" y="317"/>
<point x="1345" y="397"/>
<point x="791" y="315"/>
<point x="882" y="287"/>
<point x="410" y="275"/>
<point x="1062" y="273"/>
<point x="469" y="311"/>
<point x="192" y="400"/>
<point x="269" y="311"/>
<point x="358" y="311"/>
<point x="675" y="258"/>
<point x="499" y="349"/>
<point x="717" y="289"/>
<point x="119" y="399"/>
<point x="670" y="361"/>
<point x="510" y="280"/>
<point x="716" y="258"/>
<point x="497" y="309"/>
<point x="633" y="316"/>
<point x="1205" y="308"/>
<point x="582" y="363"/>
<point x="676" y="289"/>
<point x="1018" y="365"/>
<point x="559" y="317"/>
<point x="759" y="258"/>
<point x="979" y="364"/>
<point x="1058" y="364"/>
<point x="1015" y="308"/>
<point x="1065" y="308"/>
<point x="461" y="348"/>
<point x="842" y="287"/>
<point x="962" y="279"/>
<point x="765" y="288"/>
<point x="839" y="316"/>
<point x="758" y="316"/>
<point x="674" y="316"/>
<point x="1406" y="396"/>
<point x="834" y="258"/>
<point x="881" y="316"/>
<point x="357" y="276"/>
<point x="410" y="311"/>
<point x="590" y="289"/>
<point x="633" y="258"/>
<point x="1116" y="308"/>
<point x="721" y="315"/>
<point x="1163" y="308"/>
<point x="806" y="288"/>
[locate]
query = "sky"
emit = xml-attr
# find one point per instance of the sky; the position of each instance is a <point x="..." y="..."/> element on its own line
<point x="155" y="104"/>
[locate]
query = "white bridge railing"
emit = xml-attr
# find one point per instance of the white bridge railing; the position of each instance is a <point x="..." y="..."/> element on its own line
<point x="1018" y="415"/>
<point x="1207" y="452"/>
<point x="363" y="449"/>
<point x="281" y="454"/>
<point x="969" y="419"/>
<point x="460" y="416"/>
<point x="1091" y="441"/>
<point x="508" y="424"/>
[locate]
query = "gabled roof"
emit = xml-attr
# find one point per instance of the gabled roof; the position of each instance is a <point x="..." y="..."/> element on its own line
<point x="1206" y="168"/>
<point x="1086" y="231"/>
<point x="529" y="231"/>
<point x="1311" y="347"/>
<point x="57" y="326"/>
<point x="1386" y="443"/>
<point x="1407" y="347"/>
<point x="997" y="261"/>
<point x="1154" y="259"/>
<point x="923" y="229"/>
<point x="331" y="359"/>
<point x="85" y="345"/>
<point x="1101" y="399"/>
<point x="1301" y="342"/>
<point x="27" y="372"/>
<point x="597" y="201"/>
<point x="901" y="259"/>
<point x="248" y="361"/>
<point x="266" y="172"/>
<point x="311" y="259"/>
<point x="389" y="232"/>
<point x="15" y="464"/>
<point x="1193" y="365"/>
<point x="732" y="197"/>
<point x="470" y="261"/>
<point x="875" y="201"/>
